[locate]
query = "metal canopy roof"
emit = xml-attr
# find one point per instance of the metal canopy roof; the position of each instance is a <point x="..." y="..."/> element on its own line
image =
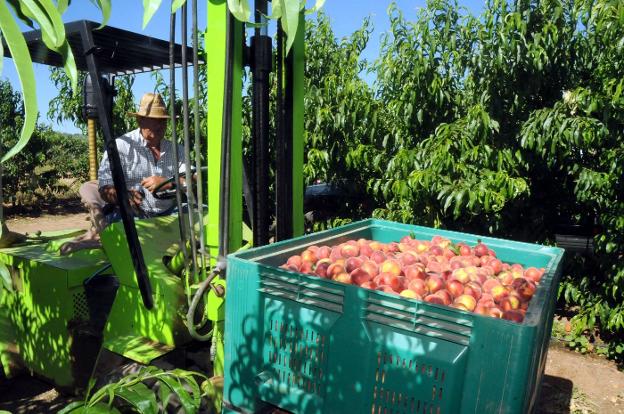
<point x="118" y="51"/>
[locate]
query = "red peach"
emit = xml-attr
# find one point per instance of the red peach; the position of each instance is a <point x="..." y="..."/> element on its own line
<point x="370" y="267"/>
<point x="366" y="250"/>
<point x="369" y="285"/>
<point x="510" y="302"/>
<point x="496" y="312"/>
<point x="497" y="266"/>
<point x="533" y="274"/>
<point x="436" y="250"/>
<point x="359" y="276"/>
<point x="295" y="261"/>
<point x="388" y="279"/>
<point x="524" y="288"/>
<point x="391" y="266"/>
<point x="335" y="269"/>
<point x="309" y="256"/>
<point x="455" y="287"/>
<point x="489" y="284"/>
<point x="353" y="263"/>
<point x="513" y="315"/>
<point x="414" y="272"/>
<point x="323" y="252"/>
<point x="418" y="286"/>
<point x="322" y="266"/>
<point x="506" y="278"/>
<point x="343" y="277"/>
<point x="482" y="310"/>
<point x="407" y="259"/>
<point x="499" y="293"/>
<point x="445" y="295"/>
<point x="473" y="290"/>
<point x="385" y="288"/>
<point x="410" y="294"/>
<point x="460" y="275"/>
<point x="375" y="245"/>
<point x="464" y="250"/>
<point x="290" y="267"/>
<point x="480" y="249"/>
<point x="335" y="254"/>
<point x="306" y="267"/>
<point x="350" y="250"/>
<point x="434" y="299"/>
<point x="378" y="256"/>
<point x="434" y="283"/>
<point x="468" y="301"/>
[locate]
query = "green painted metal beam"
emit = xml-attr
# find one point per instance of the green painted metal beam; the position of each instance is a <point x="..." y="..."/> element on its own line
<point x="298" y="51"/>
<point x="216" y="66"/>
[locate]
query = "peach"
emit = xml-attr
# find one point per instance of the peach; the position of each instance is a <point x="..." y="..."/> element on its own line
<point x="391" y="266"/>
<point x="406" y="239"/>
<point x="335" y="254"/>
<point x="506" y="278"/>
<point x="350" y="250"/>
<point x="436" y="250"/>
<point x="418" y="286"/>
<point x="480" y="249"/>
<point x="445" y="295"/>
<point x="459" y="306"/>
<point x="473" y="290"/>
<point x="322" y="266"/>
<point x="495" y="312"/>
<point x="370" y="267"/>
<point x="359" y="276"/>
<point x="485" y="260"/>
<point x="464" y="250"/>
<point x="499" y="293"/>
<point x="455" y="287"/>
<point x="533" y="274"/>
<point x="482" y="310"/>
<point x="369" y="285"/>
<point x="434" y="299"/>
<point x="366" y="250"/>
<point x="489" y="284"/>
<point x="323" y="252"/>
<point x="353" y="263"/>
<point x="388" y="279"/>
<point x="378" y="256"/>
<point x="295" y="261"/>
<point x="434" y="267"/>
<point x="414" y="272"/>
<point x="385" y="288"/>
<point x="524" y="288"/>
<point x="497" y="265"/>
<point x="510" y="302"/>
<point x="334" y="269"/>
<point x="410" y="294"/>
<point x="468" y="301"/>
<point x="306" y="267"/>
<point x="407" y="259"/>
<point x="343" y="277"/>
<point x="461" y="275"/>
<point x="309" y="256"/>
<point x="434" y="283"/>
<point x="513" y="315"/>
<point x="290" y="267"/>
<point x="421" y="246"/>
<point x="375" y="245"/>
<point x="392" y="247"/>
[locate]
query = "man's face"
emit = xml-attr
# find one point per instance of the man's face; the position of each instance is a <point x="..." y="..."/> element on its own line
<point x="152" y="129"/>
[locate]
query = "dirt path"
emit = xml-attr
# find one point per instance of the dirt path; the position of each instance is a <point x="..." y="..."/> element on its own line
<point x="48" y="222"/>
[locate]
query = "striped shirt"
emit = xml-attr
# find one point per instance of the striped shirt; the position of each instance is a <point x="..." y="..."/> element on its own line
<point x="137" y="162"/>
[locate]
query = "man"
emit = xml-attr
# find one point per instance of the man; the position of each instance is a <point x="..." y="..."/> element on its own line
<point x="146" y="160"/>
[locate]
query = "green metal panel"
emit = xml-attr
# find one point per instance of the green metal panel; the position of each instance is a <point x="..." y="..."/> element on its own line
<point x="312" y="345"/>
<point x="132" y="330"/>
<point x="40" y="316"/>
<point x="298" y="51"/>
<point x="216" y="31"/>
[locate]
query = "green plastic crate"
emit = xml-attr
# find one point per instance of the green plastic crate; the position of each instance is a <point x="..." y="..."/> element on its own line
<point x="311" y="345"/>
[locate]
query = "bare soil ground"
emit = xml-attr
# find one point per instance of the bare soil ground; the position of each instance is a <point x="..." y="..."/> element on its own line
<point x="573" y="383"/>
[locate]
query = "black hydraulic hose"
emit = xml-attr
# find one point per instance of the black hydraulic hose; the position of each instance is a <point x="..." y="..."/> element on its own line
<point x="187" y="143"/>
<point x="198" y="166"/>
<point x="226" y="137"/>
<point x="261" y="69"/>
<point x="174" y="135"/>
<point x="119" y="181"/>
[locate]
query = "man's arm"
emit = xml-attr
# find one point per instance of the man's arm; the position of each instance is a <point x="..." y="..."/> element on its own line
<point x="109" y="194"/>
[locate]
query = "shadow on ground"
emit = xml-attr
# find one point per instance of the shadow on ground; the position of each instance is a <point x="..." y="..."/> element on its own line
<point x="25" y="394"/>
<point x="555" y="395"/>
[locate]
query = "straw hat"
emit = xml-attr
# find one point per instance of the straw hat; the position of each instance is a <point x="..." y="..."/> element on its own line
<point x="152" y="106"/>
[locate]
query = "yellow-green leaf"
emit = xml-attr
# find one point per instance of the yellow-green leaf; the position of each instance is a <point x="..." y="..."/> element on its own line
<point x="176" y="4"/>
<point x="69" y="64"/>
<point x="1" y="53"/>
<point x="105" y="7"/>
<point x="290" y="21"/>
<point x="61" y="5"/>
<point x="149" y="8"/>
<point x="317" y="6"/>
<point x="23" y="64"/>
<point x="240" y="9"/>
<point x="49" y="19"/>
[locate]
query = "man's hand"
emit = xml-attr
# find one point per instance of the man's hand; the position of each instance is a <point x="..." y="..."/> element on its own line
<point x="135" y="198"/>
<point x="151" y="183"/>
<point x="109" y="195"/>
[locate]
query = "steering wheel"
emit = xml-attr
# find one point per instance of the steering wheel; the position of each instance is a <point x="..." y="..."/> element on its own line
<point x="169" y="193"/>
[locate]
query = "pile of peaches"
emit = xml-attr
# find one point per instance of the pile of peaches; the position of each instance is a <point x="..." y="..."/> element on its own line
<point x="469" y="278"/>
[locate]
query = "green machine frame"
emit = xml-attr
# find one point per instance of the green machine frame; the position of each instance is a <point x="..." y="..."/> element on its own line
<point x="44" y="316"/>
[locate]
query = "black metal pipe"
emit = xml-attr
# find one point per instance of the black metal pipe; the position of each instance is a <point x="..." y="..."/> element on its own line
<point x="261" y="69"/>
<point x="284" y="141"/>
<point x="197" y="126"/>
<point x="174" y="134"/>
<point x="119" y="180"/>
<point x="187" y="143"/>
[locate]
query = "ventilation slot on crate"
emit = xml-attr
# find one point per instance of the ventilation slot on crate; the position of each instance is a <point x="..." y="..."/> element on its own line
<point x="297" y="356"/>
<point x="392" y="397"/>
<point x="297" y="289"/>
<point x="81" y="309"/>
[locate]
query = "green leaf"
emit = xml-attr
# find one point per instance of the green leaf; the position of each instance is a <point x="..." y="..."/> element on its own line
<point x="49" y="19"/>
<point x="21" y="14"/>
<point x="140" y="397"/>
<point x="317" y="6"/>
<point x="1" y="53"/>
<point x="105" y="7"/>
<point x="149" y="8"/>
<point x="185" y="398"/>
<point x="5" y="277"/>
<point x="62" y="5"/>
<point x="176" y="5"/>
<point x="71" y="407"/>
<point x="70" y="65"/>
<point x="290" y="21"/>
<point x="23" y="65"/>
<point x="240" y="9"/>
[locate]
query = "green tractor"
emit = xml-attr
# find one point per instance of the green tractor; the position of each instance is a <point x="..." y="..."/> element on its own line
<point x="159" y="284"/>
